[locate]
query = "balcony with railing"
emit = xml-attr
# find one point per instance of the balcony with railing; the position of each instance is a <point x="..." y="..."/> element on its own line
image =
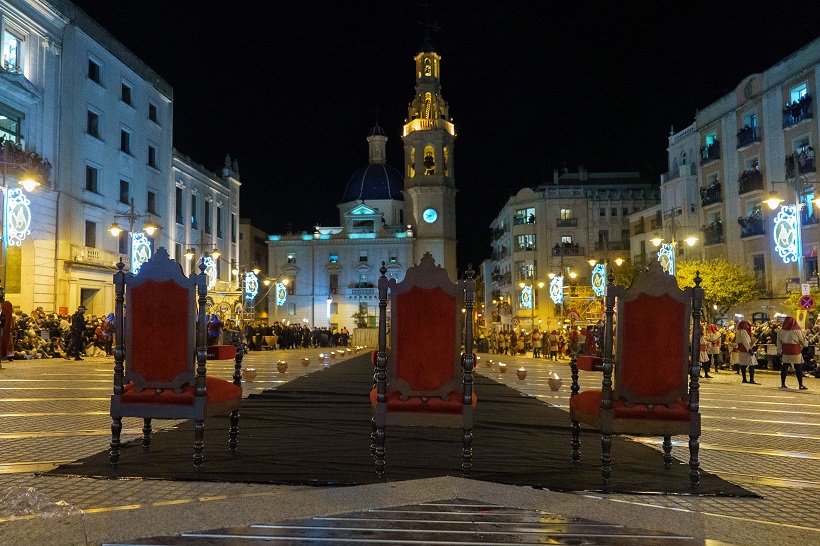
<point x="566" y="222"/>
<point x="567" y="250"/>
<point x="710" y="153"/>
<point x="639" y="228"/>
<point x="805" y="163"/>
<point x="521" y="220"/>
<point x="502" y="279"/>
<point x="751" y="180"/>
<point x="711" y="194"/>
<point x="612" y="245"/>
<point x="748" y="136"/>
<point x="797" y="111"/>
<point x="713" y="233"/>
<point x="751" y="225"/>
<point x="96" y="256"/>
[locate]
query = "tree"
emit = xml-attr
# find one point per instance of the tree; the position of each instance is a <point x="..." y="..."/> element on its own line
<point x="626" y="272"/>
<point x="795" y="295"/>
<point x="361" y="318"/>
<point x="725" y="284"/>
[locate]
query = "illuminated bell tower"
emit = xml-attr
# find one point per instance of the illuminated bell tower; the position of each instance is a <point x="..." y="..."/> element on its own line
<point x="429" y="180"/>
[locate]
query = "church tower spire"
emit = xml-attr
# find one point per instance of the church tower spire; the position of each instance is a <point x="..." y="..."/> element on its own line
<point x="429" y="183"/>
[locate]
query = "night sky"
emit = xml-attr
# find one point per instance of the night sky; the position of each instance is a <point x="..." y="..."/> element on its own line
<point x="532" y="86"/>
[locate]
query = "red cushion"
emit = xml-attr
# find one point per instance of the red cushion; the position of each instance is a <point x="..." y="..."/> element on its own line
<point x="221" y="352"/>
<point x="218" y="390"/>
<point x="589" y="363"/>
<point x="589" y="402"/>
<point x="158" y="348"/>
<point x="425" y="338"/>
<point x="434" y="404"/>
<point x="653" y="345"/>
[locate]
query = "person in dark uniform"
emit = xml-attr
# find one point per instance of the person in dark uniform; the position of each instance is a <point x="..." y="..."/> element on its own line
<point x="77" y="331"/>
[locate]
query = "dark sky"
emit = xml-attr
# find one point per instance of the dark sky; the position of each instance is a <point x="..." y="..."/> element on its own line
<point x="293" y="91"/>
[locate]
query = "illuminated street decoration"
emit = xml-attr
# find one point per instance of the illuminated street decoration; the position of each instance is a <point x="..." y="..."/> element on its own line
<point x="18" y="216"/>
<point x="140" y="251"/>
<point x="281" y="294"/>
<point x="251" y="285"/>
<point x="666" y="256"/>
<point x="785" y="233"/>
<point x="557" y="289"/>
<point x="210" y="271"/>
<point x="598" y="279"/>
<point x="526" y="297"/>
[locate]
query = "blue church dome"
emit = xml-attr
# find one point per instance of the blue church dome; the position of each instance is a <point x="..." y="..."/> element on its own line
<point x="374" y="182"/>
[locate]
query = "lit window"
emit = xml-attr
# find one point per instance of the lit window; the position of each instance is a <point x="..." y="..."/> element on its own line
<point x="334" y="258"/>
<point x="12" y="51"/>
<point x="10" y="125"/>
<point x="799" y="92"/>
<point x="566" y="239"/>
<point x="394" y="256"/>
<point x="291" y="257"/>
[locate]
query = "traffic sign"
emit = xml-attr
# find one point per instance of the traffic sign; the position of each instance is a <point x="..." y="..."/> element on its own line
<point x="806" y="302"/>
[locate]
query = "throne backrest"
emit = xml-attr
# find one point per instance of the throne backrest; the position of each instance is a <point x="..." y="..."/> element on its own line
<point x="160" y="324"/>
<point x="425" y="331"/>
<point x="653" y="339"/>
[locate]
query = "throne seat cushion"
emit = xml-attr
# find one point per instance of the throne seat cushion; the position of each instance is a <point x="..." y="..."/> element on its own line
<point x="221" y="352"/>
<point x="589" y="363"/>
<point x="218" y="390"/>
<point x="589" y="403"/>
<point x="433" y="404"/>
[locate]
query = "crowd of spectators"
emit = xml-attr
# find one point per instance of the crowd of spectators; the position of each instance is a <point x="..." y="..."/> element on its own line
<point x="42" y="335"/>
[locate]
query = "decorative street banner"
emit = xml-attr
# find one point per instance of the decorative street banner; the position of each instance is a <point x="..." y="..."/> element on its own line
<point x="526" y="297"/>
<point x="210" y="271"/>
<point x="666" y="256"/>
<point x="598" y="279"/>
<point x="785" y="233"/>
<point x="18" y="216"/>
<point x="140" y="251"/>
<point x="281" y="294"/>
<point x="251" y="285"/>
<point x="557" y="289"/>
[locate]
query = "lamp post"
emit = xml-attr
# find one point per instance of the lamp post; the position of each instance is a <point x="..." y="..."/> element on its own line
<point x="137" y="240"/>
<point x="788" y="236"/>
<point x="531" y="299"/>
<point x="667" y="253"/>
<point x="16" y="211"/>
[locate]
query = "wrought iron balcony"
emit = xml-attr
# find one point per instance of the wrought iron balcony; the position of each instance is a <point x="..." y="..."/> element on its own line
<point x="748" y="135"/>
<point x="797" y="111"/>
<point x="713" y="233"/>
<point x="751" y="226"/>
<point x="805" y="163"/>
<point x="711" y="194"/>
<point x="710" y="153"/>
<point x="566" y="222"/>
<point x="569" y="250"/>
<point x="750" y="180"/>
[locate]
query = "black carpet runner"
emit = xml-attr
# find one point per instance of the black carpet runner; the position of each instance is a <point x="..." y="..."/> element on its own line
<point x="315" y="430"/>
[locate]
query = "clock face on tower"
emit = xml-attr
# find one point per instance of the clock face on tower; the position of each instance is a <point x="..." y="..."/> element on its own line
<point x="429" y="215"/>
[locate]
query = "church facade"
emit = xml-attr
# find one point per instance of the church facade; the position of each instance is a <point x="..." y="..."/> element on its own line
<point x="384" y="216"/>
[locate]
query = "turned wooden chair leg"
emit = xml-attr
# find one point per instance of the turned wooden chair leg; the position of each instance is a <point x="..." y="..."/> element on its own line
<point x="380" y="451"/>
<point x="694" y="462"/>
<point x="373" y="437"/>
<point x="576" y="441"/>
<point x="116" y="428"/>
<point x="233" y="433"/>
<point x="146" y="433"/>
<point x="199" y="442"/>
<point x="667" y="452"/>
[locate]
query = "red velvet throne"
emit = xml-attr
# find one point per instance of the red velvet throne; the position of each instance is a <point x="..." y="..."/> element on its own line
<point x="160" y="353"/>
<point x="656" y="365"/>
<point x="423" y="379"/>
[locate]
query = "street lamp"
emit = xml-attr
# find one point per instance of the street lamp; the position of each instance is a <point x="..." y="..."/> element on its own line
<point x="788" y="224"/>
<point x="139" y="251"/>
<point x="16" y="207"/>
<point x="529" y="297"/>
<point x="667" y="254"/>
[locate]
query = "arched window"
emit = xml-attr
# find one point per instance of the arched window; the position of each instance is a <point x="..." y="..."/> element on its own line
<point x="411" y="165"/>
<point x="428" y="104"/>
<point x="429" y="161"/>
<point x="428" y="67"/>
<point x="446" y="158"/>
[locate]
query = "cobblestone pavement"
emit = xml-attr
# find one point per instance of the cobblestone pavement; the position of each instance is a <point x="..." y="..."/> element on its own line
<point x="758" y="436"/>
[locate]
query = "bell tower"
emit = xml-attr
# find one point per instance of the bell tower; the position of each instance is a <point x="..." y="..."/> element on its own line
<point x="429" y="179"/>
